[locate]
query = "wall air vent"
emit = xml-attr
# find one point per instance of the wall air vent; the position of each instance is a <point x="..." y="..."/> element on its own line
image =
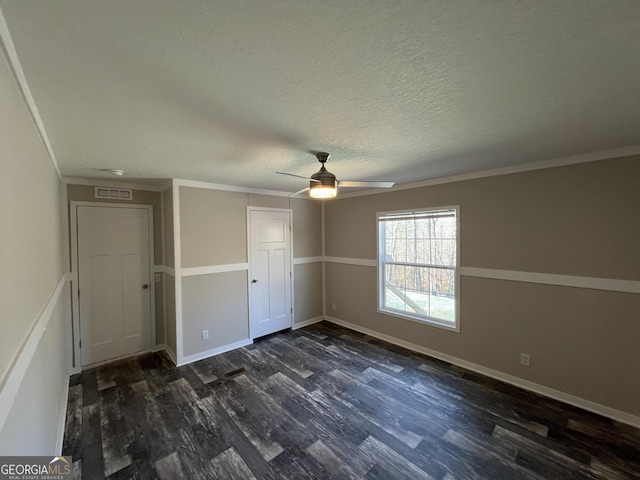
<point x="114" y="193"/>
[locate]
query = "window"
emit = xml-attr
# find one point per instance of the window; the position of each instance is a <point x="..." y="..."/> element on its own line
<point x="418" y="265"/>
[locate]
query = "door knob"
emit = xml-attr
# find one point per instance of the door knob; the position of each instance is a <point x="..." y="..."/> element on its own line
<point x="254" y="281"/>
<point x="145" y="286"/>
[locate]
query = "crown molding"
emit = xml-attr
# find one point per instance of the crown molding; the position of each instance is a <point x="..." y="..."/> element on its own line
<point x="229" y="188"/>
<point x="525" y="167"/>
<point x="9" y="49"/>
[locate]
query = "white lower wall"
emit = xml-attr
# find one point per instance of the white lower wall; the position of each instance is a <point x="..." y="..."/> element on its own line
<point x="34" y="397"/>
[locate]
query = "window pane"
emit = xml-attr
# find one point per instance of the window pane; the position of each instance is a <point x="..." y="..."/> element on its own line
<point x="424" y="291"/>
<point x="395" y="241"/>
<point x="442" y="294"/>
<point x="444" y="252"/>
<point x="422" y="251"/>
<point x="423" y="240"/>
<point x="411" y="248"/>
<point x="395" y="293"/>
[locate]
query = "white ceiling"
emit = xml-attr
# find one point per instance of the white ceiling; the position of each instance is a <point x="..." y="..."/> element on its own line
<point x="231" y="91"/>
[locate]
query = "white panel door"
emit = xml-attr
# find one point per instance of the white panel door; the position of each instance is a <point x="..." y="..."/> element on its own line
<point x="270" y="271"/>
<point x="113" y="282"/>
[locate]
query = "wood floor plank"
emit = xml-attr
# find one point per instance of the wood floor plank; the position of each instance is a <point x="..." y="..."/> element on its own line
<point x="90" y="394"/>
<point x="192" y="455"/>
<point x="170" y="467"/>
<point x="204" y="372"/>
<point x="332" y="461"/>
<point x="230" y="465"/>
<point x="326" y="402"/>
<point x="392" y="461"/>
<point x="92" y="465"/>
<point x="544" y="461"/>
<point x="73" y="427"/>
<point x="248" y="421"/>
<point x="461" y="464"/>
<point x="379" y="411"/>
<point x="232" y="433"/>
<point x="116" y="436"/>
<point x="296" y="463"/>
<point x="482" y="446"/>
<point x="287" y="359"/>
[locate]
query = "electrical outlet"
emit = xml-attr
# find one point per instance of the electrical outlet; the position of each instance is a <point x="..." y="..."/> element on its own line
<point x="156" y="277"/>
<point x="525" y="359"/>
<point x="333" y="306"/>
<point x="205" y="334"/>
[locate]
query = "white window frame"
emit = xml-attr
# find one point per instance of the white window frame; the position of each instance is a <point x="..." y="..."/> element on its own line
<point x="424" y="320"/>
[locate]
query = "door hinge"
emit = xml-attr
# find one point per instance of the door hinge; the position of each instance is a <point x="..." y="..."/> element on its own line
<point x="291" y="309"/>
<point x="80" y="344"/>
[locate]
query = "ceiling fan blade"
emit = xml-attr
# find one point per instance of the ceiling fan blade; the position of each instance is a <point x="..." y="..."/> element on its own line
<point x="299" y="191"/>
<point x="354" y="184"/>
<point x="299" y="176"/>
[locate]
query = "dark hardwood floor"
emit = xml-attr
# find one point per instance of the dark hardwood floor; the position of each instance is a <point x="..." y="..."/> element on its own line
<point x="326" y="402"/>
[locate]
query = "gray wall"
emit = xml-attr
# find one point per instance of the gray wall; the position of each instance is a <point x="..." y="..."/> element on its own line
<point x="170" y="312"/>
<point x="578" y="220"/>
<point x="167" y="212"/>
<point x="307" y="291"/>
<point x="213" y="232"/>
<point x="307" y="228"/>
<point x="31" y="266"/>
<point x="213" y="227"/>
<point x="227" y="320"/>
<point x="169" y="281"/>
<point x="307" y="242"/>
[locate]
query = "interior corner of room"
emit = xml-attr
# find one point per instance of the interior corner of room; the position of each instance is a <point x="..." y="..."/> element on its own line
<point x="548" y="267"/>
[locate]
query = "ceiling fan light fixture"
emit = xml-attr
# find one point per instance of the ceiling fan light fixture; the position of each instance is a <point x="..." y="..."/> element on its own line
<point x="320" y="190"/>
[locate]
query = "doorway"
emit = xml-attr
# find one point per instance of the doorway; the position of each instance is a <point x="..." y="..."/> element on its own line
<point x="270" y="274"/>
<point x="113" y="252"/>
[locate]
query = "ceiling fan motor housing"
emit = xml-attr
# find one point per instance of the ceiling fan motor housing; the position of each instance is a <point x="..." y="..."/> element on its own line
<point x="325" y="177"/>
<point x="323" y="183"/>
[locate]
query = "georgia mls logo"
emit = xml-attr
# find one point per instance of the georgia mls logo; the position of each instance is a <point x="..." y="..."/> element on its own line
<point x="56" y="464"/>
<point x="35" y="468"/>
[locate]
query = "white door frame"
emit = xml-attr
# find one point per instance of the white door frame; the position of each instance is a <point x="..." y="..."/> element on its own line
<point x="75" y="299"/>
<point x="267" y="209"/>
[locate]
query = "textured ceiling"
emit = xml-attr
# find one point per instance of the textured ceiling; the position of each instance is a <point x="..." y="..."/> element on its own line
<point x="231" y="91"/>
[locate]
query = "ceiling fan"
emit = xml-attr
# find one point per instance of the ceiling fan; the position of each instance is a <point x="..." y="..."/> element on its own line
<point x="324" y="184"/>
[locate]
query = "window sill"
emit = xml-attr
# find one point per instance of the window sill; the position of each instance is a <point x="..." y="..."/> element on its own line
<point x="449" y="326"/>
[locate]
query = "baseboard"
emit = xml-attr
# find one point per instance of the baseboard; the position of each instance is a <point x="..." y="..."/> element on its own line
<point x="62" y="421"/>
<point x="588" y="405"/>
<point x="307" y="322"/>
<point x="215" y="351"/>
